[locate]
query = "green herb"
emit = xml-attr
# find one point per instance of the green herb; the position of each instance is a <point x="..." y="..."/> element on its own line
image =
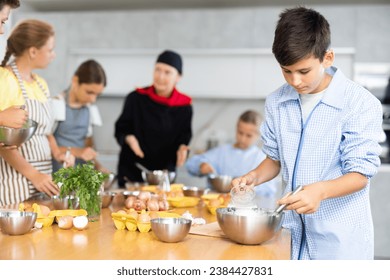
<point x="83" y="181"/>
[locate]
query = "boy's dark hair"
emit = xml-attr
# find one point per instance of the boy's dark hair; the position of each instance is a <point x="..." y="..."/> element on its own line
<point x="91" y="72"/>
<point x="300" y="33"/>
<point x="12" y="3"/>
<point x="251" y="117"/>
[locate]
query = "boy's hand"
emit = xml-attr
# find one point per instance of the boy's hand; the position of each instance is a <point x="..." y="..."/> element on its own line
<point x="246" y="180"/>
<point x="206" y="168"/>
<point x="307" y="201"/>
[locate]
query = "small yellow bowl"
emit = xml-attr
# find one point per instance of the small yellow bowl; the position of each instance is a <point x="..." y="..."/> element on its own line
<point x="185" y="201"/>
<point x="164" y="214"/>
<point x="210" y="196"/>
<point x="213" y="209"/>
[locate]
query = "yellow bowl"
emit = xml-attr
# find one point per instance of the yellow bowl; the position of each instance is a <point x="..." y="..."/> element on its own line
<point x="213" y="209"/>
<point x="164" y="214"/>
<point x="149" y="188"/>
<point x="185" y="201"/>
<point x="210" y="196"/>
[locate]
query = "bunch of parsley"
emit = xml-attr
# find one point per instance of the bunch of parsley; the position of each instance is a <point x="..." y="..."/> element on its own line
<point x="84" y="182"/>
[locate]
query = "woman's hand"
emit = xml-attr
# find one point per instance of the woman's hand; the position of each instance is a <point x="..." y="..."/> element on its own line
<point x="14" y="117"/>
<point x="3" y="147"/>
<point x="67" y="159"/>
<point x="44" y="183"/>
<point x="132" y="141"/>
<point x="181" y="155"/>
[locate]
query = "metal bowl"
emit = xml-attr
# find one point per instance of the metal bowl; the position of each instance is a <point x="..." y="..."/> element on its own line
<point x="109" y="182"/>
<point x="17" y="136"/>
<point x="249" y="226"/>
<point x="171" y="230"/>
<point x="107" y="198"/>
<point x="193" y="191"/>
<point x="67" y="202"/>
<point x="16" y="222"/>
<point x="220" y="183"/>
<point x="154" y="177"/>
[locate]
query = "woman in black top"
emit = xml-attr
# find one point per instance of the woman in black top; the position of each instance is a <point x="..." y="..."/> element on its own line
<point x="154" y="127"/>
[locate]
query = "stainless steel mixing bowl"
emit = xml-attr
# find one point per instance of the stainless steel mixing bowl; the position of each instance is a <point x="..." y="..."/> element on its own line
<point x="16" y="222"/>
<point x="220" y="183"/>
<point x="107" y="198"/>
<point x="171" y="229"/>
<point x="249" y="226"/>
<point x="67" y="202"/>
<point x="17" y="136"/>
<point x="154" y="177"/>
<point x="193" y="191"/>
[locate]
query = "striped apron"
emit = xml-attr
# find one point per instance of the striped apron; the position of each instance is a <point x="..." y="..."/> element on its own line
<point x="14" y="187"/>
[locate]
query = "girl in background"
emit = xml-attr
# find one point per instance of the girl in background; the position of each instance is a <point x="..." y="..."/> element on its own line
<point x="75" y="114"/>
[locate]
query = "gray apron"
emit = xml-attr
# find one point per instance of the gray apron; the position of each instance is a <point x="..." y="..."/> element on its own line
<point x="14" y="187"/>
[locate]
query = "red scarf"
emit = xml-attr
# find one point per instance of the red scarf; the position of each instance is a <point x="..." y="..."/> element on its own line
<point x="176" y="98"/>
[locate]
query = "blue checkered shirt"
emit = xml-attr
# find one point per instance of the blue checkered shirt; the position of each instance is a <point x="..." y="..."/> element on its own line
<point x="340" y="136"/>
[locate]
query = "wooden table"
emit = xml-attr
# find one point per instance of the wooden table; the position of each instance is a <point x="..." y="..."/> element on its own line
<point x="102" y="241"/>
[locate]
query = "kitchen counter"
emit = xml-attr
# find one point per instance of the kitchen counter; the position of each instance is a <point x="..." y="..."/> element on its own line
<point x="102" y="241"/>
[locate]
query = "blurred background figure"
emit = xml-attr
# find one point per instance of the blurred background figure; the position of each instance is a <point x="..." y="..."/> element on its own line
<point x="154" y="127"/>
<point x="75" y="114"/>
<point x="237" y="159"/>
<point x="13" y="116"/>
<point x="27" y="170"/>
<point x="5" y="9"/>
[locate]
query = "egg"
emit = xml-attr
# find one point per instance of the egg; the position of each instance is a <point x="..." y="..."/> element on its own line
<point x="80" y="222"/>
<point x="44" y="210"/>
<point x="65" y="222"/>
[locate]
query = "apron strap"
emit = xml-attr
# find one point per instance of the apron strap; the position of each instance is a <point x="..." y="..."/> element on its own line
<point x="21" y="84"/>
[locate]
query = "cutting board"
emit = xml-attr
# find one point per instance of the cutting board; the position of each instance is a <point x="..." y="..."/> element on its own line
<point x="211" y="229"/>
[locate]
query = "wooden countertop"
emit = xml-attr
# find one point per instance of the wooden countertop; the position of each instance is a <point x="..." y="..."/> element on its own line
<point x="102" y="241"/>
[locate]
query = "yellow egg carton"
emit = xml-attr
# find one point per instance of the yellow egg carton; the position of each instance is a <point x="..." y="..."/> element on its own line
<point x="122" y="221"/>
<point x="46" y="219"/>
<point x="184" y="201"/>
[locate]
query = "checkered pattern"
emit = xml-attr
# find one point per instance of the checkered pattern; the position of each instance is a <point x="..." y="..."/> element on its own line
<point x="340" y="136"/>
